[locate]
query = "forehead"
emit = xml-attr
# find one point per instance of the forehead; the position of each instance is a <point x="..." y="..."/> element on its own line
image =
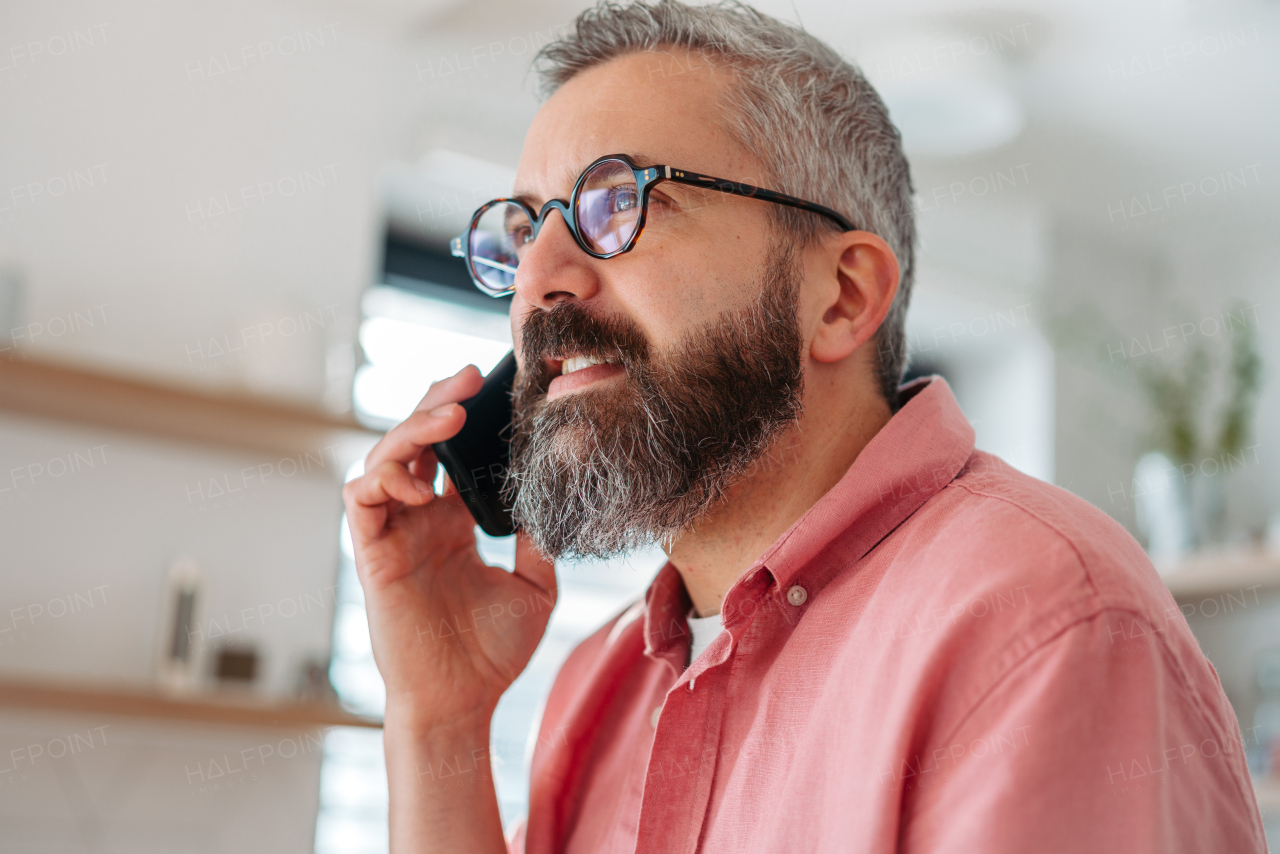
<point x="663" y="106"/>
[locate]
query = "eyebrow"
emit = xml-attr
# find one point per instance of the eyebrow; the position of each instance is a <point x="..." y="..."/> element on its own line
<point x="535" y="201"/>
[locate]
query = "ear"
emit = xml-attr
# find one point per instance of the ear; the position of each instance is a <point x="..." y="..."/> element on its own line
<point x="857" y="277"/>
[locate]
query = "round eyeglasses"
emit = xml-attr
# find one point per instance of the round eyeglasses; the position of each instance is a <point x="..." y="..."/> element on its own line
<point x="605" y="214"/>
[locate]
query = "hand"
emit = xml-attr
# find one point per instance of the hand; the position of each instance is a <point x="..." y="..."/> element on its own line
<point x="450" y="633"/>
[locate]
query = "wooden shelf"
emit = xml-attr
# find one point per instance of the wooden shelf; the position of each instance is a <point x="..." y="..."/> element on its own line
<point x="77" y="395"/>
<point x="1226" y="571"/>
<point x="146" y="703"/>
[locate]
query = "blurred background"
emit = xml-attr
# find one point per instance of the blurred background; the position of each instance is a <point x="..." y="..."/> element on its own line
<point x="223" y="273"/>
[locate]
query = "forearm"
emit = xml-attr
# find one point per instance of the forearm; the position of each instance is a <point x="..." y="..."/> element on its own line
<point x="441" y="786"/>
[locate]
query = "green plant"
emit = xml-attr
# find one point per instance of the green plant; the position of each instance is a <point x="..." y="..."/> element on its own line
<point x="1246" y="381"/>
<point x="1175" y="391"/>
<point x="1175" y="388"/>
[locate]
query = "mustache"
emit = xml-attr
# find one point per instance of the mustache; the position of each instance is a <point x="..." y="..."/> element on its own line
<point x="569" y="329"/>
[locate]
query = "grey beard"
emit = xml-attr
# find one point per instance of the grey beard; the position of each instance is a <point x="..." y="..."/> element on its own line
<point x="596" y="473"/>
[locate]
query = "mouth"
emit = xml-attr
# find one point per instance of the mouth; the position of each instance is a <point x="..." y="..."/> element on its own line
<point x="576" y="371"/>
<point x="570" y="364"/>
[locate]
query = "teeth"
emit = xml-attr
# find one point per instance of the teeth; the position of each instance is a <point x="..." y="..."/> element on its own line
<point x="577" y="363"/>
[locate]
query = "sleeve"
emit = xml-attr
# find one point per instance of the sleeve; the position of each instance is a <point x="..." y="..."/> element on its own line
<point x="1098" y="740"/>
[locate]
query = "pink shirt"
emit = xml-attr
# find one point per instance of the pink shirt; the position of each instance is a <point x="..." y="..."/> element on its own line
<point x="942" y="654"/>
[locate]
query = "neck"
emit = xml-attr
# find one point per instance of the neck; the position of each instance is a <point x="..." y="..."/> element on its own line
<point x="800" y="467"/>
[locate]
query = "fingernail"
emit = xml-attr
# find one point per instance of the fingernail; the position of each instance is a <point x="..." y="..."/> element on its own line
<point x="423" y="487"/>
<point x="443" y="411"/>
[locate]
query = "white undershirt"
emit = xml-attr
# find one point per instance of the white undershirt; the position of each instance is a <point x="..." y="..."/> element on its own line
<point x="704" y="631"/>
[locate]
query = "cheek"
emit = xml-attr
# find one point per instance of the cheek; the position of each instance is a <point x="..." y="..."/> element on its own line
<point x="656" y="296"/>
<point x="682" y="283"/>
<point x="692" y="284"/>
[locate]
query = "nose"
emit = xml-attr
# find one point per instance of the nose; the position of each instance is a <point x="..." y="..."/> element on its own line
<point x="554" y="267"/>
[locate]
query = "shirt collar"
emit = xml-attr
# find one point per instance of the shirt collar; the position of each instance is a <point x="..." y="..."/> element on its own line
<point x="917" y="453"/>
<point x="666" y="604"/>
<point x="922" y="448"/>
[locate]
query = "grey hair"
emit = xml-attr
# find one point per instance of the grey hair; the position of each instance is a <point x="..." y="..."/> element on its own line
<point x="820" y="128"/>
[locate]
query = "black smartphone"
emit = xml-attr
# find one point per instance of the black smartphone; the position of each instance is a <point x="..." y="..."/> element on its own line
<point x="477" y="457"/>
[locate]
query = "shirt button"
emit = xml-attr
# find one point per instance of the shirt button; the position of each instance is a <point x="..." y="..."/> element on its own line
<point x="797" y="595"/>
<point x="653" y="718"/>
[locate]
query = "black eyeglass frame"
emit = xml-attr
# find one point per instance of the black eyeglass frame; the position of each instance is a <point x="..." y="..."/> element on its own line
<point x="646" y="179"/>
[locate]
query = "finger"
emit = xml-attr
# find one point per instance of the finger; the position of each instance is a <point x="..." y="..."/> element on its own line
<point x="407" y="441"/>
<point x="465" y="383"/>
<point x="433" y="420"/>
<point x="367" y="496"/>
<point x="425" y="465"/>
<point x="533" y="566"/>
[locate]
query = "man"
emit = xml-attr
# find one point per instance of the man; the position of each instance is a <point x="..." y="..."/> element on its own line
<point x="922" y="649"/>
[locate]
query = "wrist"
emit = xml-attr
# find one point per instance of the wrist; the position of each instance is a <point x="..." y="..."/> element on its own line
<point x="426" y="750"/>
<point x="421" y="722"/>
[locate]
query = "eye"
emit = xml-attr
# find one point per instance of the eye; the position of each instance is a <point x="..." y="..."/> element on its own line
<point x="623" y="199"/>
<point x="520" y="235"/>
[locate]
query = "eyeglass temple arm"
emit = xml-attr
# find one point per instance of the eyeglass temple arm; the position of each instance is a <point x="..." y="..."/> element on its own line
<point x="694" y="179"/>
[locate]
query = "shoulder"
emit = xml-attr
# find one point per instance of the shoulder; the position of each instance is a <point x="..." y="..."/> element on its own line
<point x="997" y="525"/>
<point x="993" y="569"/>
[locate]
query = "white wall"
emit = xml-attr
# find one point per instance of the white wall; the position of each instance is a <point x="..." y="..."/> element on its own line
<point x="975" y="311"/>
<point x="234" y="151"/>
<point x="110" y="533"/>
<point x="92" y="520"/>
<point x="86" y="782"/>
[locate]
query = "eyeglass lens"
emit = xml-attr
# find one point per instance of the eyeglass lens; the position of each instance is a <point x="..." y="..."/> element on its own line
<point x="498" y="240"/>
<point x="608" y="206"/>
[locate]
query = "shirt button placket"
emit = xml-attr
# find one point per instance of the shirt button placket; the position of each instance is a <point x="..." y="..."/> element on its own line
<point x="681" y="769"/>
